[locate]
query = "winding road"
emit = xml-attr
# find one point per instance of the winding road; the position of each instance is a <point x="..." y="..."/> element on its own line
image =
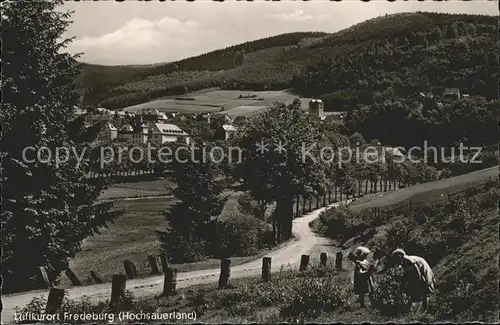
<point x="289" y="255"/>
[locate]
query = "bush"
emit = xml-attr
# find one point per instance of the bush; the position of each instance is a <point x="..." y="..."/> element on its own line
<point x="468" y="287"/>
<point x="310" y="297"/>
<point x="183" y="250"/>
<point x="249" y="206"/>
<point x="388" y="296"/>
<point x="84" y="306"/>
<point x="341" y="223"/>
<point x="242" y="235"/>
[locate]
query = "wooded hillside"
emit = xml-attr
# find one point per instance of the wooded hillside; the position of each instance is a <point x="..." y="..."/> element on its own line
<point x="395" y="55"/>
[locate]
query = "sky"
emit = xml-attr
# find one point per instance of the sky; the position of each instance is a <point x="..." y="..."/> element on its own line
<point x="138" y="32"/>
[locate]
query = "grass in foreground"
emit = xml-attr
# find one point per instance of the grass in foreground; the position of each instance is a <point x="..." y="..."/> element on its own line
<point x="289" y="296"/>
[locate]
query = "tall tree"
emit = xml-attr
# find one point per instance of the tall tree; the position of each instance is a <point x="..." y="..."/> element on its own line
<point x="48" y="208"/>
<point x="271" y="172"/>
<point x="199" y="200"/>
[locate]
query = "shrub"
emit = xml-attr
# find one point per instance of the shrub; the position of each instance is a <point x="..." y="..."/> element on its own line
<point x="310" y="297"/>
<point x="241" y="235"/>
<point x="468" y="287"/>
<point x="341" y="223"/>
<point x="183" y="250"/>
<point x="84" y="306"/>
<point x="249" y="206"/>
<point x="388" y="296"/>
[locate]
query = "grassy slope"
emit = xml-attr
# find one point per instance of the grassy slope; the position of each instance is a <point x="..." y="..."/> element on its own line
<point x="424" y="192"/>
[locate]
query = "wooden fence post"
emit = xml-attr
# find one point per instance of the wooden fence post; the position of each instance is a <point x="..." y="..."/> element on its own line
<point x="118" y="283"/>
<point x="304" y="262"/>
<point x="322" y="258"/>
<point x="153" y="262"/>
<point x="225" y="272"/>
<point x="266" y="269"/>
<point x="170" y="281"/>
<point x="130" y="269"/>
<point x="54" y="301"/>
<point x="43" y="278"/>
<point x="72" y="277"/>
<point x="338" y="261"/>
<point x="96" y="277"/>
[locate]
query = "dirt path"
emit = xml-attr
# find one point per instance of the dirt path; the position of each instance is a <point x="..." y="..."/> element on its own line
<point x="288" y="255"/>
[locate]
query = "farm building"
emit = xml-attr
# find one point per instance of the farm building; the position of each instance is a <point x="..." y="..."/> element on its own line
<point x="333" y="116"/>
<point x="450" y="94"/>
<point x="225" y="132"/>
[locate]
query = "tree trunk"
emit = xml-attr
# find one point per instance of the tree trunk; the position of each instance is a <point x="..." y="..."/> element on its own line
<point x="274" y="230"/>
<point x="284" y="211"/>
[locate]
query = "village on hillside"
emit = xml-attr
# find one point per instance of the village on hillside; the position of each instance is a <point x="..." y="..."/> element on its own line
<point x="151" y="125"/>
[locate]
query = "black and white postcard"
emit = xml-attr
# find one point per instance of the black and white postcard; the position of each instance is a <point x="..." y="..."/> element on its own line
<point x="250" y="162"/>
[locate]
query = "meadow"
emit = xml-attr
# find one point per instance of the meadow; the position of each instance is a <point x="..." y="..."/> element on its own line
<point x="133" y="235"/>
<point x="220" y="101"/>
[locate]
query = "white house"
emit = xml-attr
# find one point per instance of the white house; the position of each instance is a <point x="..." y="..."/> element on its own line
<point x="316" y="108"/>
<point x="111" y="132"/>
<point x="225" y="132"/>
<point x="160" y="133"/>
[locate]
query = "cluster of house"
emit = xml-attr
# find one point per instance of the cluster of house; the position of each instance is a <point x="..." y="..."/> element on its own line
<point x="148" y="127"/>
<point x="152" y="126"/>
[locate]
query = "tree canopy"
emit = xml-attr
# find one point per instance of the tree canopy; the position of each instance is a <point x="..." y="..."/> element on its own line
<point x="48" y="208"/>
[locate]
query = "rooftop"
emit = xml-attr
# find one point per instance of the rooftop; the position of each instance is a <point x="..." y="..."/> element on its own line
<point x="451" y="91"/>
<point x="229" y="128"/>
<point x="168" y="129"/>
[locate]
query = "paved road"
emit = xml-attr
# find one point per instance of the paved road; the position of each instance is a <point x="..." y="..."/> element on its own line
<point x="288" y="255"/>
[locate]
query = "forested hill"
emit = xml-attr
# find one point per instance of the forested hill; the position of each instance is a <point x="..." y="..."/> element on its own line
<point x="394" y="55"/>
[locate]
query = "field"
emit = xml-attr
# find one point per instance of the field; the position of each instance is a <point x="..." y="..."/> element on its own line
<point x="138" y="189"/>
<point x="133" y="235"/>
<point x="221" y="101"/>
